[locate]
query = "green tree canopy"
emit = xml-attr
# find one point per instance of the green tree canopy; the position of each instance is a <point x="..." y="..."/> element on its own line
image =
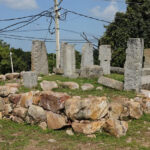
<point x="134" y="23"/>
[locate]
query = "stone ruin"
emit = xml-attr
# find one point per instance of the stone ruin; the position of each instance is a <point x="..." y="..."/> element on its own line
<point x="68" y="62"/>
<point x="105" y="58"/>
<point x="39" y="61"/>
<point x="87" y="55"/>
<point x="133" y="64"/>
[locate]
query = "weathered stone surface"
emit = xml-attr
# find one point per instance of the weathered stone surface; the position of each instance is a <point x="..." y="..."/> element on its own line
<point x="105" y="58"/>
<point x="43" y="125"/>
<point x="58" y="71"/>
<point x="147" y="58"/>
<point x="53" y="101"/>
<point x="91" y="72"/>
<point x="115" y="84"/>
<point x="6" y="90"/>
<point x="7" y="109"/>
<point x="135" y="109"/>
<point x="11" y="76"/>
<point x="37" y="113"/>
<point x="145" y="71"/>
<point x="20" y="112"/>
<point x="93" y="108"/>
<point x="115" y="110"/>
<point x="133" y="64"/>
<point x="69" y="132"/>
<point x="16" y="119"/>
<point x="1" y="115"/>
<point x="87" y="86"/>
<point x="146" y="105"/>
<point x="87" y="55"/>
<point x="70" y="85"/>
<point x="29" y="79"/>
<point x="117" y="70"/>
<point x="56" y="121"/>
<point x="116" y="128"/>
<point x="2" y="78"/>
<point x="2" y="103"/>
<point x="15" y="98"/>
<point x="99" y="88"/>
<point x="88" y="127"/>
<point x="39" y="61"/>
<point x="48" y="85"/>
<point x="26" y="99"/>
<point x="68" y="59"/>
<point x="15" y="85"/>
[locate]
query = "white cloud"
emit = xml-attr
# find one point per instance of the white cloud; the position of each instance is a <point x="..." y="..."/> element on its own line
<point x="20" y="4"/>
<point x="107" y="13"/>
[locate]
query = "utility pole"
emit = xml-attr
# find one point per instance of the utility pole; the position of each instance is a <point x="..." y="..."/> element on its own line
<point x="57" y="34"/>
<point x="12" y="67"/>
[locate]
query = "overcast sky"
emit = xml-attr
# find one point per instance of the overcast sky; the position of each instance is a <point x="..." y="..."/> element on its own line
<point x="102" y="9"/>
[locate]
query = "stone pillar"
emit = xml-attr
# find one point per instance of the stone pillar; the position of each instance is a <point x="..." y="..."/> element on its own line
<point x="87" y="55"/>
<point x="133" y="64"/>
<point x="29" y="79"/>
<point x="68" y="63"/>
<point x="105" y="58"/>
<point x="39" y="59"/>
<point x="147" y="58"/>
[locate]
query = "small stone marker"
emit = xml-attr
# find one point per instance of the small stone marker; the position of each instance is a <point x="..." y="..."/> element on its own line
<point x="30" y="79"/>
<point x="105" y="58"/>
<point x="133" y="64"/>
<point x="39" y="61"/>
<point x="87" y="55"/>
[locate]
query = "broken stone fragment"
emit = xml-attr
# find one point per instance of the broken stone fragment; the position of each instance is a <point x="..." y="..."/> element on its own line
<point x="116" y="127"/>
<point x="53" y="101"/>
<point x="20" y="112"/>
<point x="87" y="86"/>
<point x="48" y="85"/>
<point x="70" y="85"/>
<point x="93" y="108"/>
<point x="88" y="127"/>
<point x="56" y="121"/>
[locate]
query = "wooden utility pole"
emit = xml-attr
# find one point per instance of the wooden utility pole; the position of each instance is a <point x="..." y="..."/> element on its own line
<point x="12" y="67"/>
<point x="57" y="34"/>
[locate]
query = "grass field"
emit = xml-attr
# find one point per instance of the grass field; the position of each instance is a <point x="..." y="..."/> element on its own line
<point x="15" y="136"/>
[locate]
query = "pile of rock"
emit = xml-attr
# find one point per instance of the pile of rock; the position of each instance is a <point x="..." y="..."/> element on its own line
<point x="10" y="76"/>
<point x="58" y="110"/>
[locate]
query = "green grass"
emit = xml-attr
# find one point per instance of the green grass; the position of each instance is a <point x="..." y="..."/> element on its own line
<point x="105" y="92"/>
<point x="21" y="136"/>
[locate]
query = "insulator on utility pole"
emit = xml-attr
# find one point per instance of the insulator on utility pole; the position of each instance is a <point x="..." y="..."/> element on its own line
<point x="12" y="67"/>
<point x="57" y="15"/>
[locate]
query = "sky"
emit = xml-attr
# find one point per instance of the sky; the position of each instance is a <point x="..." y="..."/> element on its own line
<point x="101" y="9"/>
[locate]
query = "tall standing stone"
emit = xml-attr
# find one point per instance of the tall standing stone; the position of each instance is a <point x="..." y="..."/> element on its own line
<point x="39" y="61"/>
<point x="87" y="55"/>
<point x="105" y="58"/>
<point x="133" y="64"/>
<point x="68" y="64"/>
<point x="147" y="58"/>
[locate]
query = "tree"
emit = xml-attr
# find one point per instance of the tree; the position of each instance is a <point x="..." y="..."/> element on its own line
<point x="134" y="23"/>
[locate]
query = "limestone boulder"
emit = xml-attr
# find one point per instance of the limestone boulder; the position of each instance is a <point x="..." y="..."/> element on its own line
<point x="16" y="119"/>
<point x="11" y="76"/>
<point x="53" y="101"/>
<point x="87" y="127"/>
<point x="6" y="90"/>
<point x="56" y="121"/>
<point x="2" y="103"/>
<point x="116" y="127"/>
<point x="37" y="113"/>
<point x="92" y="108"/>
<point x="43" y="125"/>
<point x="14" y="98"/>
<point x="7" y="109"/>
<point x="146" y="105"/>
<point x="2" y="78"/>
<point x="70" y="85"/>
<point x="115" y="110"/>
<point x="1" y="115"/>
<point x="48" y="85"/>
<point x="15" y="85"/>
<point x="20" y="112"/>
<point x="110" y="83"/>
<point x="135" y="109"/>
<point x="87" y="86"/>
